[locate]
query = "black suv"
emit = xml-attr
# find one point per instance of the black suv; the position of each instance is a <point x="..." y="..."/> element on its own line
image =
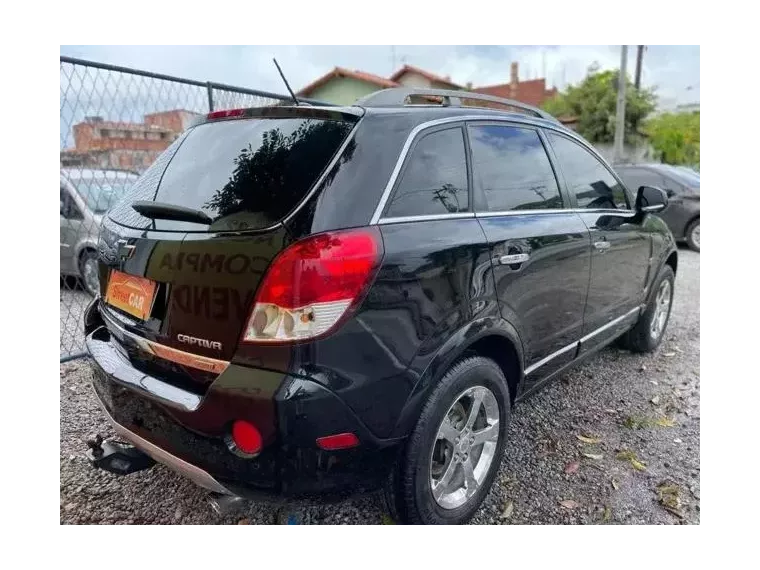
<point x="300" y="300"/>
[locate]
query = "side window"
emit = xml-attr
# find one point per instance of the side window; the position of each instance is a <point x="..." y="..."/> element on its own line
<point x="637" y="177"/>
<point x="511" y="169"/>
<point x="434" y="180"/>
<point x="588" y="179"/>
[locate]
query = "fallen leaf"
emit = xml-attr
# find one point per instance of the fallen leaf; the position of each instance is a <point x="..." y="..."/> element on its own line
<point x="638" y="465"/>
<point x="653" y="382"/>
<point x="615" y="484"/>
<point x="607" y="513"/>
<point x="244" y="521"/>
<point x="569" y="504"/>
<point x="630" y="456"/>
<point x="655" y="400"/>
<point x="626" y="454"/>
<point x="572" y="467"/>
<point x="669" y="354"/>
<point x="676" y="440"/>
<point x="588" y="439"/>
<point x="508" y="509"/>
<point x="669" y="496"/>
<point x="387" y="519"/>
<point x="594" y="456"/>
<point x="665" y="422"/>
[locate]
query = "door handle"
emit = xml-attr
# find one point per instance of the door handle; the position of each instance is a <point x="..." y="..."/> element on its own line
<point x="513" y="259"/>
<point x="602" y="246"/>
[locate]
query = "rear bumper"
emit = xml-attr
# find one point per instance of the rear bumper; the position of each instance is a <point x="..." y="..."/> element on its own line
<point x="187" y="432"/>
<point x="195" y="474"/>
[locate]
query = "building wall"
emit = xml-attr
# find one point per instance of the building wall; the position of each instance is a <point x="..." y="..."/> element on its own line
<point x="177" y="120"/>
<point x="90" y="136"/>
<point x="343" y="91"/>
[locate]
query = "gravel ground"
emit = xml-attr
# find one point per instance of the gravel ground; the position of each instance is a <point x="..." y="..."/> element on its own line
<point x="639" y="415"/>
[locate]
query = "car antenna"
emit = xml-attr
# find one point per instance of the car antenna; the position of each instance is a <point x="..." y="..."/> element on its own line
<point x="295" y="100"/>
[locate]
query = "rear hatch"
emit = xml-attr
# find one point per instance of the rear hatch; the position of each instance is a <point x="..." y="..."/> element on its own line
<point x="182" y="273"/>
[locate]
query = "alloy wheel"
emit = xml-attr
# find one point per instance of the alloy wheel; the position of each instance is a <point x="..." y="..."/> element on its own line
<point x="661" y="310"/>
<point x="465" y="447"/>
<point x="90" y="276"/>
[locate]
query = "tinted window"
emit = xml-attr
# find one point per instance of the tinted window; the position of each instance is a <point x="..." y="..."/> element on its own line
<point x="511" y="169"/>
<point x="245" y="174"/>
<point x="637" y="177"/>
<point x="586" y="177"/>
<point x="434" y="180"/>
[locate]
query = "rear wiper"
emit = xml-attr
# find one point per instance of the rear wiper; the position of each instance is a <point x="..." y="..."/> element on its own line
<point x="163" y="211"/>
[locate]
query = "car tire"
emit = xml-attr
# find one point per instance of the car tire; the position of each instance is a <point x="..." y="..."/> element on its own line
<point x="467" y="467"/>
<point x="650" y="329"/>
<point x="692" y="235"/>
<point x="88" y="271"/>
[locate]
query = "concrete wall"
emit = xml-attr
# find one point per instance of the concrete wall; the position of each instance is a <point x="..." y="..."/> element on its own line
<point x="343" y="91"/>
<point x="641" y="153"/>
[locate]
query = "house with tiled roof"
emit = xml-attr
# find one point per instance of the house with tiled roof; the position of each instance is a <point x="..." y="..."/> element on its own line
<point x="343" y="86"/>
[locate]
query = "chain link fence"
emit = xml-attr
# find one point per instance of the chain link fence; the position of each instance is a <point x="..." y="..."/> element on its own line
<point x="115" y="121"/>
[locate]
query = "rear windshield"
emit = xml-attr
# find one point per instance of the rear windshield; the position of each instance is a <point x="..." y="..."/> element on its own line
<point x="246" y="173"/>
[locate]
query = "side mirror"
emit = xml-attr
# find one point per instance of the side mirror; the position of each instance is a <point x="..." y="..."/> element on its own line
<point x="651" y="199"/>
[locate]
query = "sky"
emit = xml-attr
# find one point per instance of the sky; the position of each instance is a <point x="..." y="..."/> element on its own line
<point x="673" y="70"/>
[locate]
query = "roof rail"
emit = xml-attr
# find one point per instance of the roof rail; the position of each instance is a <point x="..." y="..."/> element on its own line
<point x="397" y="96"/>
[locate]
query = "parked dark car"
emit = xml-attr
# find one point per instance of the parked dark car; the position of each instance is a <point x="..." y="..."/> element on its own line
<point x="682" y="186"/>
<point x="301" y="302"/>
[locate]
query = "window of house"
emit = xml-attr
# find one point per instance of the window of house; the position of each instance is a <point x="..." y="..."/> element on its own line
<point x="511" y="169"/>
<point x="434" y="179"/>
<point x="587" y="178"/>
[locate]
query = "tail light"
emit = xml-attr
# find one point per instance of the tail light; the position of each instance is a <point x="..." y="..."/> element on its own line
<point x="312" y="284"/>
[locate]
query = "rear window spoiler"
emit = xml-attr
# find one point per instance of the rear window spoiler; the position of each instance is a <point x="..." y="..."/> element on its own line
<point x="348" y="114"/>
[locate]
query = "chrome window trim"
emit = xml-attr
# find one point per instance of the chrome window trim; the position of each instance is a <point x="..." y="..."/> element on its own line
<point x="425" y="218"/>
<point x="455" y="215"/>
<point x="526" y="120"/>
<point x="578" y="343"/>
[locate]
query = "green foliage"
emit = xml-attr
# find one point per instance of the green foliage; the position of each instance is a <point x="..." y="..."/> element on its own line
<point x="675" y="137"/>
<point x="594" y="103"/>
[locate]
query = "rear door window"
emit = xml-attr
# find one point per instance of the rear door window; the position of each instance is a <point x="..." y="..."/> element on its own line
<point x="511" y="170"/>
<point x="244" y="174"/>
<point x="434" y="180"/>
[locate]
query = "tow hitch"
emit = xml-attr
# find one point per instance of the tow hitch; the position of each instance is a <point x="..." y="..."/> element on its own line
<point x="116" y="457"/>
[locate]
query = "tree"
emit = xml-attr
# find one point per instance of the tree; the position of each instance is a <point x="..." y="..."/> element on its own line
<point x="594" y="102"/>
<point x="675" y="137"/>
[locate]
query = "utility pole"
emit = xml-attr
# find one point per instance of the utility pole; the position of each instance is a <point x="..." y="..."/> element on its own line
<point x="639" y="56"/>
<point x="620" y="117"/>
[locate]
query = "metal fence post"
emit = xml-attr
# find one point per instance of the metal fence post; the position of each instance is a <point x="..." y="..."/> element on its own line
<point x="210" y="96"/>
